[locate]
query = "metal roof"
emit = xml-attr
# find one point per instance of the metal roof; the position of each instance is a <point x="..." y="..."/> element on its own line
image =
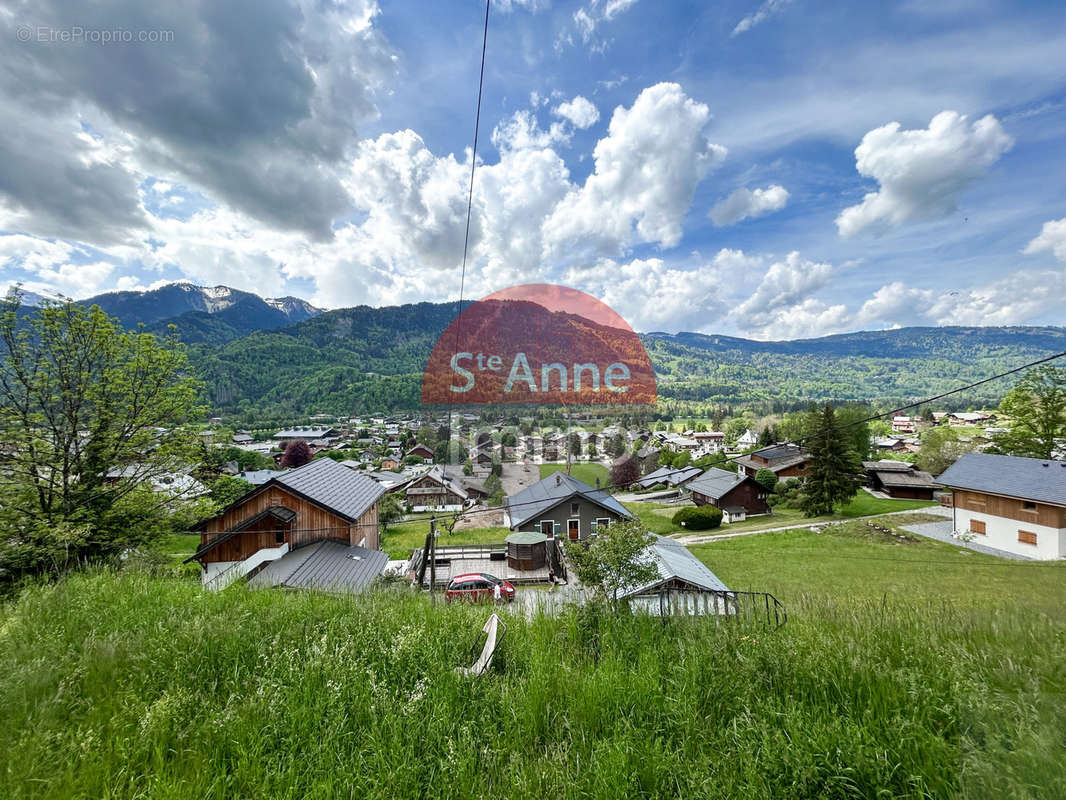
<point x="327" y="566"/>
<point x="303" y="433"/>
<point x="781" y="451"/>
<point x="716" y="483"/>
<point x="526" y="537"/>
<point x="916" y="479"/>
<point x="886" y="465"/>
<point x="669" y="475"/>
<point x="554" y="489"/>
<point x="258" y="476"/>
<point x="334" y="486"/>
<point x="1037" y="479"/>
<point x="676" y="562"/>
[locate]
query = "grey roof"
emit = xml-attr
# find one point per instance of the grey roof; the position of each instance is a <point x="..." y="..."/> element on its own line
<point x="1037" y="479"/>
<point x="328" y="566"/>
<point x="716" y="483"/>
<point x="334" y="486"/>
<point x="671" y="476"/>
<point x="302" y="433"/>
<point x="887" y="465"/>
<point x="676" y="562"/>
<point x="552" y="490"/>
<point x="258" y="476"/>
<point x="777" y="452"/>
<point x="916" y="479"/>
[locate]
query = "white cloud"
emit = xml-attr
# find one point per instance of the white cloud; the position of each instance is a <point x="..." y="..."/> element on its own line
<point x="580" y="112"/>
<point x="588" y="18"/>
<point x="1052" y="239"/>
<point x="785" y="285"/>
<point x="646" y="172"/>
<point x="922" y="173"/>
<point x="745" y="203"/>
<point x="521" y="131"/>
<point x="768" y="9"/>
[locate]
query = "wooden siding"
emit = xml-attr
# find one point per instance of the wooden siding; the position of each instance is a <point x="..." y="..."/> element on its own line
<point x="744" y="495"/>
<point x="312" y="522"/>
<point x="1010" y="508"/>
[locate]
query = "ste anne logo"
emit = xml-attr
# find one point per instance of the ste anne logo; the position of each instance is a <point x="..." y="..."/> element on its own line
<point x="538" y="344"/>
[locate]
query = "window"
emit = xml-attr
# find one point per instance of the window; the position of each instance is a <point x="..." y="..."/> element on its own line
<point x="575" y="508"/>
<point x="279" y="537"/>
<point x="1028" y="505"/>
<point x="547" y="527"/>
<point x="1026" y="537"/>
<point x="977" y="526"/>
<point x="600" y="522"/>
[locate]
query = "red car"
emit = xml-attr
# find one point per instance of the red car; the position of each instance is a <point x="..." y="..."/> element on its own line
<point x="478" y="587"/>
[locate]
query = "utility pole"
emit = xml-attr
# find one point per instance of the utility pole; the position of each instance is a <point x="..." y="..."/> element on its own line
<point x="432" y="554"/>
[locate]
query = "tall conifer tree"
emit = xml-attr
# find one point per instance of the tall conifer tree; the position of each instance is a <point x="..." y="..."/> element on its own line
<point x="834" y="474"/>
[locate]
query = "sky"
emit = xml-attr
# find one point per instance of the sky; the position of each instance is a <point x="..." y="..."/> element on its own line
<point x="773" y="170"/>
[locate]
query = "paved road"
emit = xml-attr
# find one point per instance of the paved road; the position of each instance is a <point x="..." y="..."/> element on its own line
<point x="697" y="538"/>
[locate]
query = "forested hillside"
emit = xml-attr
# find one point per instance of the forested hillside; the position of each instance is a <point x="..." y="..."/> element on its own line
<point x="363" y="359"/>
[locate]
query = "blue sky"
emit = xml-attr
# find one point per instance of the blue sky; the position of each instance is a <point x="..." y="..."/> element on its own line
<point x="778" y="169"/>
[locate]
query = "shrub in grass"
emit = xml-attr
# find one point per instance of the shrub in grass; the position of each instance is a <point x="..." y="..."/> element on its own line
<point x="698" y="518"/>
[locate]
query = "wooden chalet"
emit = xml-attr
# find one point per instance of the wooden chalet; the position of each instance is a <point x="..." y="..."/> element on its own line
<point x="322" y="500"/>
<point x="899" y="479"/>
<point x="784" y="460"/>
<point x="737" y="494"/>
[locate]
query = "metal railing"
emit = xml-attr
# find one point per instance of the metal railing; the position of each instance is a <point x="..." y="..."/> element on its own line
<point x="750" y="607"/>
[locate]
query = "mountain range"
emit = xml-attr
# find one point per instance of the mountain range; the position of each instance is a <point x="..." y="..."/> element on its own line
<point x="284" y="358"/>
<point x="210" y="315"/>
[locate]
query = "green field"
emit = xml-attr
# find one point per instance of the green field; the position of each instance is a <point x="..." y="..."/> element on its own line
<point x="582" y="471"/>
<point x="657" y="516"/>
<point x="401" y="538"/>
<point x="893" y="678"/>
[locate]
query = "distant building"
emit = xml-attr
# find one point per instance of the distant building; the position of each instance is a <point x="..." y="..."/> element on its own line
<point x="784" y="460"/>
<point x="747" y="439"/>
<point x="899" y="479"/>
<point x="669" y="476"/>
<point x="307" y="434"/>
<point x="738" y="495"/>
<point x="1010" y="503"/>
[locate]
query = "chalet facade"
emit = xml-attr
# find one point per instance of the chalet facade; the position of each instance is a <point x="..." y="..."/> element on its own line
<point x="420" y="451"/>
<point x="320" y="501"/>
<point x="1009" y="503"/>
<point x="738" y="495"/>
<point x="443" y="489"/>
<point x="562" y="506"/>
<point x="784" y="460"/>
<point x="899" y="479"/>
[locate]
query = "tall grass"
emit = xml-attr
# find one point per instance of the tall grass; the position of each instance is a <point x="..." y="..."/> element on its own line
<point x="126" y="685"/>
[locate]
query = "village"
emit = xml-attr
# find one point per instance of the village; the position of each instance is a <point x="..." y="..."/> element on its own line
<point x="500" y="500"/>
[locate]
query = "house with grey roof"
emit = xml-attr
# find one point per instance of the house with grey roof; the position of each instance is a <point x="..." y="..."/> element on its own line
<point x="783" y="459"/>
<point x="669" y="476"/>
<point x="1010" y="503"/>
<point x="320" y="501"/>
<point x="737" y="494"/>
<point x="679" y="571"/>
<point x="899" y="479"/>
<point x="561" y="505"/>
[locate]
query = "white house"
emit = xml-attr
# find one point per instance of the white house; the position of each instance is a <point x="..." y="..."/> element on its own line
<point x="1009" y="503"/>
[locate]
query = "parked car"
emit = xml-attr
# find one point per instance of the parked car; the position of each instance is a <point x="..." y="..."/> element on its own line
<point x="478" y="587"/>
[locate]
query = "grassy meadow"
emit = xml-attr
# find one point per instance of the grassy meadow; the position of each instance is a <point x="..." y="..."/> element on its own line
<point x="129" y="685"/>
<point x="583" y="471"/>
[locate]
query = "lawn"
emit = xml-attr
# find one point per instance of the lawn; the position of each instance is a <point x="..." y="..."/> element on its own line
<point x="582" y="471"/>
<point x="950" y="685"/>
<point x="657" y="515"/>
<point x="852" y="561"/>
<point x="401" y="538"/>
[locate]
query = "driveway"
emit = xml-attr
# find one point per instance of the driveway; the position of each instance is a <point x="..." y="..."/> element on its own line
<point x="941" y="531"/>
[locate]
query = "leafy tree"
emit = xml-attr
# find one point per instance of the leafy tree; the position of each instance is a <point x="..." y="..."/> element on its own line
<point x="625" y="471"/>
<point x="615" y="560"/>
<point x="227" y="488"/>
<point x="833" y="477"/>
<point x="682" y="459"/>
<point x="297" y="453"/>
<point x="91" y="415"/>
<point x="494" y="487"/>
<point x="590" y="451"/>
<point x="616" y="446"/>
<point x="450" y="452"/>
<point x="766" y="478"/>
<point x="508" y="439"/>
<point x="926" y="414"/>
<point x="638" y="444"/>
<point x="941" y="448"/>
<point x="1036" y="414"/>
<point x="390" y="510"/>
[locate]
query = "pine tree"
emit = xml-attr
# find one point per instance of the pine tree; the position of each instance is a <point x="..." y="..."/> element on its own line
<point x="834" y="473"/>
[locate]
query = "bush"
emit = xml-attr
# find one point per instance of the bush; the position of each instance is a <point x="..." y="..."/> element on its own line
<point x="698" y="518"/>
<point x="766" y="478"/>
